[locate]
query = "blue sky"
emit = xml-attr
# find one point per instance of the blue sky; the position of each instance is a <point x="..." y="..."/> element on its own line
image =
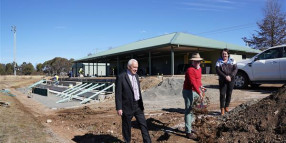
<point x="75" y="28"/>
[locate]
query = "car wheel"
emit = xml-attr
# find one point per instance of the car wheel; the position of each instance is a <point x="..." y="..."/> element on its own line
<point x="241" y="80"/>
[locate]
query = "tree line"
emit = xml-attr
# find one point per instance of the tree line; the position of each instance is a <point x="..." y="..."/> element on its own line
<point x="271" y="32"/>
<point x="57" y="65"/>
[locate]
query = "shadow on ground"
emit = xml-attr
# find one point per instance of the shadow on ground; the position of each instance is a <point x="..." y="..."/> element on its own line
<point x="177" y="110"/>
<point x="157" y="125"/>
<point x="264" y="89"/>
<point x="214" y="113"/>
<point x="182" y="111"/>
<point x="91" y="138"/>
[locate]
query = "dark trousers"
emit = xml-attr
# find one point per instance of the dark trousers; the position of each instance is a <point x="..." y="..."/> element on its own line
<point x="225" y="89"/>
<point x="140" y="118"/>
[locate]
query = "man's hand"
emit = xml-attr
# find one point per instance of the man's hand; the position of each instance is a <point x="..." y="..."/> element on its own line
<point x="228" y="78"/>
<point x="119" y="112"/>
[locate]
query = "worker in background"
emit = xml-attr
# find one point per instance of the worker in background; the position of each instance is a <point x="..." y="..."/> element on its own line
<point x="70" y="74"/>
<point x="81" y="72"/>
<point x="55" y="79"/>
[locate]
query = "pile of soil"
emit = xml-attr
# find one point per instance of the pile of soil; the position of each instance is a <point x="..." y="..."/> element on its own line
<point x="168" y="87"/>
<point x="149" y="82"/>
<point x="264" y="121"/>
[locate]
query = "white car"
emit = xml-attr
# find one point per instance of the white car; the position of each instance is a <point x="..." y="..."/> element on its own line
<point x="268" y="66"/>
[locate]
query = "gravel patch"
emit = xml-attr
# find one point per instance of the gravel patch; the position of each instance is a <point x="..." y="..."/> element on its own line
<point x="168" y="94"/>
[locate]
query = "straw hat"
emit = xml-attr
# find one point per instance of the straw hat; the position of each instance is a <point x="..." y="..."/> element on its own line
<point x="196" y="57"/>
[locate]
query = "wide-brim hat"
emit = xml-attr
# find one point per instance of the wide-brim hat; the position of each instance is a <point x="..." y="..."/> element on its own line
<point x="196" y="57"/>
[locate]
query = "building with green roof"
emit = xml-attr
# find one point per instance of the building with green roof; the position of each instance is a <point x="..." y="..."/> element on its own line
<point x="166" y="54"/>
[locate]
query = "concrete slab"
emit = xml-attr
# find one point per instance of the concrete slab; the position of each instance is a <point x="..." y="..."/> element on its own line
<point x="51" y="99"/>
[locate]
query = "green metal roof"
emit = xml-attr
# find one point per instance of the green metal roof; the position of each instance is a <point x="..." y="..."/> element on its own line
<point x="176" y="38"/>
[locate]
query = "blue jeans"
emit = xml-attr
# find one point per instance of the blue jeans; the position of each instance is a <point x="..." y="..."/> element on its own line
<point x="189" y="96"/>
<point x="56" y="82"/>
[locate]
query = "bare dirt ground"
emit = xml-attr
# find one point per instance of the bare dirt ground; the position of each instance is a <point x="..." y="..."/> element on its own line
<point x="98" y="122"/>
<point x="263" y="121"/>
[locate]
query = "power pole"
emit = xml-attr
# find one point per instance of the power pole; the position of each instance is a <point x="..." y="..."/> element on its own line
<point x="14" y="31"/>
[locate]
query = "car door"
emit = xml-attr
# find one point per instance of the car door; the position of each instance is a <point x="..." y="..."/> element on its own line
<point x="266" y="66"/>
<point x="283" y="64"/>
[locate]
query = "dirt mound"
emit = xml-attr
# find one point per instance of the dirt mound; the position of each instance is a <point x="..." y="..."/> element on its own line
<point x="149" y="82"/>
<point x="169" y="87"/>
<point x="264" y="121"/>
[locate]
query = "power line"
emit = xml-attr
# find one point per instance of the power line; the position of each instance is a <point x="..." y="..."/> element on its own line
<point x="227" y="29"/>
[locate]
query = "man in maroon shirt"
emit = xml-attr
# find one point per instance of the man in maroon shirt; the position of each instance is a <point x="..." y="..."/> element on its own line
<point x="191" y="90"/>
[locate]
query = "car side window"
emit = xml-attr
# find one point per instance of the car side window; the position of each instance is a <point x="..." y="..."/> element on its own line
<point x="269" y="54"/>
<point x="284" y="52"/>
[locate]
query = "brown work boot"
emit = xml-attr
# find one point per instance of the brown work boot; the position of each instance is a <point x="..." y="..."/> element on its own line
<point x="222" y="111"/>
<point x="226" y="109"/>
<point x="192" y="136"/>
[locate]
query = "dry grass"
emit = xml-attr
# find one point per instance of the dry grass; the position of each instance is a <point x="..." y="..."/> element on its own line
<point x="17" y="125"/>
<point x="10" y="81"/>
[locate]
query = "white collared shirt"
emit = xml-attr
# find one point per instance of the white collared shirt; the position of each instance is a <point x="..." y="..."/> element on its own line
<point x="134" y="84"/>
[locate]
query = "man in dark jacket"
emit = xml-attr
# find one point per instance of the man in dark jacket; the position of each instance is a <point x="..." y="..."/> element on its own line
<point x="129" y="101"/>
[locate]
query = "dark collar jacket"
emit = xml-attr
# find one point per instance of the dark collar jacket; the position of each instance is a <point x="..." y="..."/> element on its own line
<point x="124" y="95"/>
